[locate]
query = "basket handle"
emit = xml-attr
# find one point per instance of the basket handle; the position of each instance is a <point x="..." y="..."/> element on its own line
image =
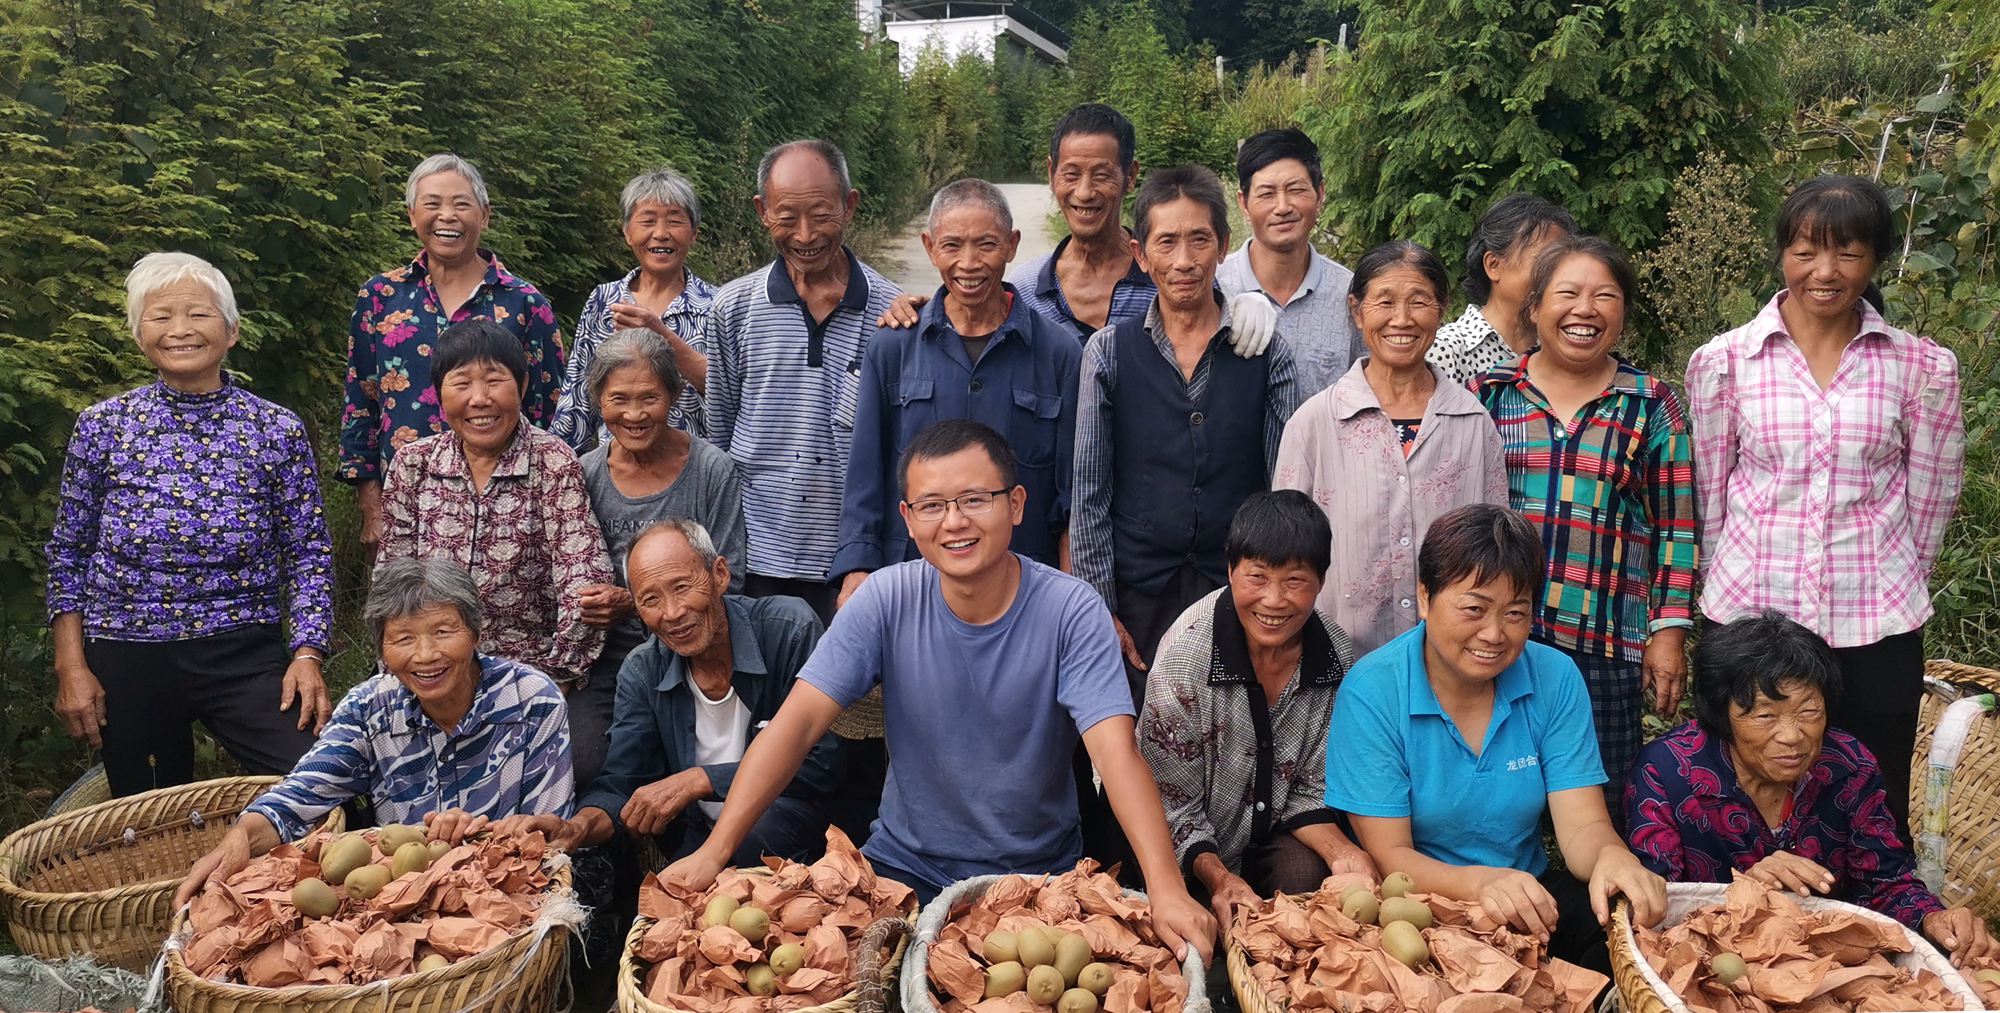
<point x="872" y="995"/>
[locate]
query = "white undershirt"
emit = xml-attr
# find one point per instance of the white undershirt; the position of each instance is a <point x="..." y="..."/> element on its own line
<point x="721" y="732"/>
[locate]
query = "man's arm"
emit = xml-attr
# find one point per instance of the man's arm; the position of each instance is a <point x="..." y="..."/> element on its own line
<point x="1135" y="800"/>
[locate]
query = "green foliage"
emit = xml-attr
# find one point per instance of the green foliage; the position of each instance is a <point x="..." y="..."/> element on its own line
<point x="1121" y="57"/>
<point x="1976" y="23"/>
<point x="1708" y="271"/>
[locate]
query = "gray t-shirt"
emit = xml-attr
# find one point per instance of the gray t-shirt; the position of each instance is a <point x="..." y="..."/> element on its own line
<point x="707" y="491"/>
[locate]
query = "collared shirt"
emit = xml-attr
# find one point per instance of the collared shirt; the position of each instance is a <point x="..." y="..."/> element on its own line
<point x="1468" y="346"/>
<point x="1315" y="321"/>
<point x="782" y="395"/>
<point x="508" y="756"/>
<point x="184" y="515"/>
<point x="1690" y="821"/>
<point x="1024" y="386"/>
<point x="391" y="338"/>
<point x="529" y="539"/>
<point x="1829" y="506"/>
<point x="1091" y="555"/>
<point x="653" y="726"/>
<point x="1235" y="768"/>
<point x="577" y="420"/>
<point x="1393" y="752"/>
<point x="1037" y="281"/>
<point x="1344" y="452"/>
<point x="1613" y="494"/>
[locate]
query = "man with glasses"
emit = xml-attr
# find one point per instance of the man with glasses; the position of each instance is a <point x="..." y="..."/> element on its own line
<point x="992" y="665"/>
<point x="977" y="352"/>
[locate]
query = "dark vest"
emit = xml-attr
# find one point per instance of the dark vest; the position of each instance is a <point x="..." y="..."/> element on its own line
<point x="1179" y="470"/>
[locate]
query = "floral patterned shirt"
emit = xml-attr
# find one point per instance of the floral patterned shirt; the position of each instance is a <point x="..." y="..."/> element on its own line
<point x="394" y="331"/>
<point x="1690" y="821"/>
<point x="529" y="539"/>
<point x="577" y="419"/>
<point x="184" y="515"/>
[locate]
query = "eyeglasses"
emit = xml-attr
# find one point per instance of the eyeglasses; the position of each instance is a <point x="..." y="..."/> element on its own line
<point x="972" y="504"/>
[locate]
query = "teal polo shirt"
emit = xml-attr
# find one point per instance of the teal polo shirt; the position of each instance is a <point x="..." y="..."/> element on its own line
<point x="1391" y="751"/>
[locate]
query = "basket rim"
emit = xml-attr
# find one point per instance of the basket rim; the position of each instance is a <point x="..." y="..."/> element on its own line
<point x="11" y="891"/>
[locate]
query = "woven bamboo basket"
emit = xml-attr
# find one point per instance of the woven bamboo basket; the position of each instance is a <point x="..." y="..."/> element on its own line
<point x="1250" y="998"/>
<point x="871" y="989"/>
<point x="525" y="974"/>
<point x="93" y="787"/>
<point x="1972" y="827"/>
<point x="100" y="881"/>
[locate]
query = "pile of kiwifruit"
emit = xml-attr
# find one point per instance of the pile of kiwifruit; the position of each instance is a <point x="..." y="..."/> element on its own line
<point x="350" y="862"/>
<point x="1401" y="916"/>
<point x="1055" y="968"/>
<point x="754" y="924"/>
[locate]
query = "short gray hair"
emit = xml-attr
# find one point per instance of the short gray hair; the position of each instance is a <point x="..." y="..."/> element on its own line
<point x="826" y="150"/>
<point x="663" y="185"/>
<point x="445" y="162"/>
<point x="697" y="537"/>
<point x="155" y="271"/>
<point x="405" y="587"/>
<point x="962" y="193"/>
<point x="634" y="346"/>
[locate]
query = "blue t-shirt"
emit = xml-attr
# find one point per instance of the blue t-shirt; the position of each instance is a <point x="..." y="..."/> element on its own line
<point x="1391" y="751"/>
<point x="981" y="721"/>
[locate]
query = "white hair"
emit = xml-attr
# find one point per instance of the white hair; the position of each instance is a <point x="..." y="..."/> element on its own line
<point x="155" y="271"/>
<point x="446" y="162"/>
<point x="664" y="185"/>
<point x="697" y="537"/>
<point x="966" y="193"/>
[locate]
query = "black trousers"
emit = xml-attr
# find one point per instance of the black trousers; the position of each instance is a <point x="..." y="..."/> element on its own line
<point x="230" y="681"/>
<point x="1881" y="692"/>
<point x="817" y="593"/>
<point x="1577" y="938"/>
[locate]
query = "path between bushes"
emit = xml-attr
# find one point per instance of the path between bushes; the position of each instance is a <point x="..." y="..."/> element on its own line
<point x="903" y="260"/>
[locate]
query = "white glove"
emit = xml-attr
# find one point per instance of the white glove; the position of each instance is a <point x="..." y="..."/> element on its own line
<point x="1253" y="318"/>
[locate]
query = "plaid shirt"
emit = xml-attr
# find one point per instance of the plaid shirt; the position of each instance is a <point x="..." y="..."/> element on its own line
<point x="1614" y="498"/>
<point x="1829" y="506"/>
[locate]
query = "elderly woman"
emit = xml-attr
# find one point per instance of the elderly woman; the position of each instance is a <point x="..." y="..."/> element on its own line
<point x="1449" y="746"/>
<point x="507" y="502"/>
<point x="662" y="217"/>
<point x="1498" y="262"/>
<point x="189" y="532"/>
<point x="1598" y="457"/>
<point x="1237" y="703"/>
<point x="1760" y="784"/>
<point x="1829" y="450"/>
<point x="1393" y="444"/>
<point x="443" y="735"/>
<point x="400" y="315"/>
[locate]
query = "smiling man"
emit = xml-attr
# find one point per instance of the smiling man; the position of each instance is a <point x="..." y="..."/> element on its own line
<point x="977" y="352"/>
<point x="992" y="665"/>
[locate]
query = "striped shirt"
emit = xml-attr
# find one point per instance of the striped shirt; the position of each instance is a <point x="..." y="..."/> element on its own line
<point x="577" y="419"/>
<point x="1036" y="280"/>
<point x="508" y="756"/>
<point x="1613" y="494"/>
<point x="1829" y="506"/>
<point x="782" y="391"/>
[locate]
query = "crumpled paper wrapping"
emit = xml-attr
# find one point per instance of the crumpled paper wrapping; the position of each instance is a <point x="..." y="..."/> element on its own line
<point x="825" y="907"/>
<point x="1307" y="954"/>
<point x="470" y="899"/>
<point x="1145" y="976"/>
<point x="1988" y="987"/>
<point x="1800" y="961"/>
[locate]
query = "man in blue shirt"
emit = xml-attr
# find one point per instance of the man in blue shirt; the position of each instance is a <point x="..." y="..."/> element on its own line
<point x="992" y="666"/>
<point x="977" y="352"/>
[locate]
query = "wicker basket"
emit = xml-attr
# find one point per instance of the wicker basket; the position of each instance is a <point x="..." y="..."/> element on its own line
<point x="93" y="787"/>
<point x="1972" y="830"/>
<point x="1640" y="990"/>
<point x="100" y="880"/>
<point x="1250" y="998"/>
<point x="869" y="994"/>
<point x="522" y="975"/>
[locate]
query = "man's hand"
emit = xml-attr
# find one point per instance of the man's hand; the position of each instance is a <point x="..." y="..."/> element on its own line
<point x="562" y="834"/>
<point x="848" y="585"/>
<point x="1253" y="318"/>
<point x="80" y="704"/>
<point x="654" y="806"/>
<point x="603" y="604"/>
<point x="1782" y="870"/>
<point x="1664" y="668"/>
<point x="694" y="873"/>
<point x="1516" y="898"/>
<point x="368" y="496"/>
<point x="902" y="311"/>
<point x="1181" y="922"/>
<point x="1963" y="934"/>
<point x="1618" y="871"/>
<point x="1128" y="645"/>
<point x="453" y="826"/>
<point x="228" y="858"/>
<point x="304" y="682"/>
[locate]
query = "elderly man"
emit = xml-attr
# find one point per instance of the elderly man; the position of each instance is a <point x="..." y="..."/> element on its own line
<point x="692" y="699"/>
<point x="1090" y="280"/>
<point x="1171" y="436"/>
<point x="978" y="353"/>
<point x="785" y="344"/>
<point x="1282" y="191"/>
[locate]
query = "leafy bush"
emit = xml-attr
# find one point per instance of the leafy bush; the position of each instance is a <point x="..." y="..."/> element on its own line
<point x="1708" y="272"/>
<point x="1120" y="57"/>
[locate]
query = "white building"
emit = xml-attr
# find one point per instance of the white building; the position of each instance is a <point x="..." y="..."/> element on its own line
<point x="957" y="26"/>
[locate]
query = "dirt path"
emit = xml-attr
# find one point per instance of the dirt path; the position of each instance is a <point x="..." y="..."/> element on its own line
<point x="903" y="260"/>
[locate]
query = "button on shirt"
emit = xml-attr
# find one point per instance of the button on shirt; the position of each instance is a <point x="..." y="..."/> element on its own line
<point x="1392" y="752"/>
<point x="1829" y="506"/>
<point x="782" y="396"/>
<point x="577" y="420"/>
<point x="1315" y="322"/>
<point x="1036" y="280"/>
<point x="1024" y="387"/>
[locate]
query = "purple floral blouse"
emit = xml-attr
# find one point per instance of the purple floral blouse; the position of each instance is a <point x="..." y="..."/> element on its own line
<point x="1690" y="821"/>
<point x="185" y="515"/>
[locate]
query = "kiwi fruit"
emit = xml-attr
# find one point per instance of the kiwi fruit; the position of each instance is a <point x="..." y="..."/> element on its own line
<point x="1361" y="906"/>
<point x="1095" y="978"/>
<point x="761" y="979"/>
<point x="999" y="948"/>
<point x="752" y="922"/>
<point x="1035" y="949"/>
<point x="1987" y="977"/>
<point x="439" y="849"/>
<point x="1072" y="953"/>
<point x="364" y="883"/>
<point x="718" y="912"/>
<point x="1727" y="967"/>
<point x="1004" y="979"/>
<point x="395" y="835"/>
<point x="1404" y="909"/>
<point x="314" y="898"/>
<point x="435" y="961"/>
<point x="1077" y="1000"/>
<point x="412" y="857"/>
<point x="1045" y="985"/>
<point x="1402" y="941"/>
<point x="343" y="856"/>
<point x="787" y="958"/>
<point x="1397" y="884"/>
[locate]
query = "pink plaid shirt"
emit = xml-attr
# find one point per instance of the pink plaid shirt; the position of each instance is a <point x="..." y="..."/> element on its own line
<point x="1827" y="506"/>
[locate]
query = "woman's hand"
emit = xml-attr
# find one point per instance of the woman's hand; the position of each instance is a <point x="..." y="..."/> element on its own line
<point x="1664" y="668"/>
<point x="1963" y="934"/>
<point x="453" y="826"/>
<point x="562" y="834"/>
<point x="603" y="604"/>
<point x="80" y="704"/>
<point x="305" y="683"/>
<point x="902" y="311"/>
<point x="1782" y="870"/>
<point x="228" y="858"/>
<point x="1618" y="871"/>
<point x="1519" y="900"/>
<point x="626" y="314"/>
<point x="368" y="497"/>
